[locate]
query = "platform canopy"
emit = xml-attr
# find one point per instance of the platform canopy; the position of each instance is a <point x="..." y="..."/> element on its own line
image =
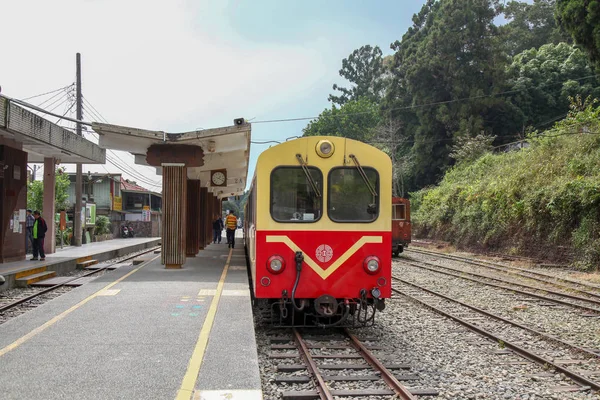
<point x="41" y="138"/>
<point x="204" y="152"/>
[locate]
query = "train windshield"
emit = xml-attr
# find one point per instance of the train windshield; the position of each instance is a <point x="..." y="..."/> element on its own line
<point x="292" y="196"/>
<point x="349" y="198"/>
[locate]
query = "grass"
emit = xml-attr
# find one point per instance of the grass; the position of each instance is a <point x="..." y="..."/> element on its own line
<point x="543" y="200"/>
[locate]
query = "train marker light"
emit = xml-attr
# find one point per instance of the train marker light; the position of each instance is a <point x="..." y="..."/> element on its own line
<point x="275" y="264"/>
<point x="371" y="265"/>
<point x="325" y="148"/>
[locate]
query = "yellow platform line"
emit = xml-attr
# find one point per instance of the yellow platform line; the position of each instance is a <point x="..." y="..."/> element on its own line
<point x="54" y="320"/>
<point x="188" y="384"/>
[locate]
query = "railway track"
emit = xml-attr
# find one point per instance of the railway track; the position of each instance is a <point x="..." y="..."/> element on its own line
<point x="340" y="354"/>
<point x="32" y="300"/>
<point x="566" y="283"/>
<point x="512" y="338"/>
<point x="511" y="286"/>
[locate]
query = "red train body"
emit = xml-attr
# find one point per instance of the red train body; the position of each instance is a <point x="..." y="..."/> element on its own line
<point x="401" y="227"/>
<point x="318" y="231"/>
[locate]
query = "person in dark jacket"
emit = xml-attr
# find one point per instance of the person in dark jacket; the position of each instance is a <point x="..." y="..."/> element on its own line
<point x="217" y="229"/>
<point x="29" y="220"/>
<point x="39" y="233"/>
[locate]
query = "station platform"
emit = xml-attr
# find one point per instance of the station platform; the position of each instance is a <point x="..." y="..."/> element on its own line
<point x="65" y="260"/>
<point x="140" y="332"/>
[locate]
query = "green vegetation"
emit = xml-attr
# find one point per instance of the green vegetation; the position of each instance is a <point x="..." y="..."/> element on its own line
<point x="35" y="193"/>
<point x="580" y="18"/>
<point x="464" y="71"/>
<point x="545" y="197"/>
<point x="103" y="226"/>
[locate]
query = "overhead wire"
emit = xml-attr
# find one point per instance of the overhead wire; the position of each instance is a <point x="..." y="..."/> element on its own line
<point x="100" y="117"/>
<point x="415" y="106"/>
<point x="43" y="94"/>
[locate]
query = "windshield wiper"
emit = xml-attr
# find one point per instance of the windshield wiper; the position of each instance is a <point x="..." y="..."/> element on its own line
<point x="308" y="176"/>
<point x="364" y="175"/>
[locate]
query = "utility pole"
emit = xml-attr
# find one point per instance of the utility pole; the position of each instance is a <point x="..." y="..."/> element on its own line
<point x="77" y="229"/>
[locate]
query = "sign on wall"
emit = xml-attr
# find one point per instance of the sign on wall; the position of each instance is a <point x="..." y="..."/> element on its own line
<point x="146" y="214"/>
<point x="117" y="203"/>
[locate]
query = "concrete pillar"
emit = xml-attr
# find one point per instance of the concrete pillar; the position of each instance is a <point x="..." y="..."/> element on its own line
<point x="49" y="195"/>
<point x="202" y="221"/>
<point x="211" y="214"/>
<point x="174" y="215"/>
<point x="13" y="197"/>
<point x="207" y="222"/>
<point x="192" y="240"/>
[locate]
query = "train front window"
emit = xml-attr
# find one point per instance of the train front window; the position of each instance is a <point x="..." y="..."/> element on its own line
<point x="292" y="196"/>
<point x="349" y="198"/>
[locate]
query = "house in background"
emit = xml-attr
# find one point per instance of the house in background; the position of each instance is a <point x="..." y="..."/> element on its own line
<point x="122" y="201"/>
<point x="141" y="206"/>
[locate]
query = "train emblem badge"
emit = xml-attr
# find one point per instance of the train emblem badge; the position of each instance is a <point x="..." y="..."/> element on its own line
<point x="324" y="253"/>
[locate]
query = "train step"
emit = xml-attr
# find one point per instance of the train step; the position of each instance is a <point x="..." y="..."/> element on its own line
<point x="33" y="278"/>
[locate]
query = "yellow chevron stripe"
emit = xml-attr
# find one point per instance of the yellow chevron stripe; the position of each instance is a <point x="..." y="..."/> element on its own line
<point x="324" y="274"/>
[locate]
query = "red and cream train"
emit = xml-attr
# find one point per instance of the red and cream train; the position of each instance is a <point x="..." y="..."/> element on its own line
<point x="318" y="231"/>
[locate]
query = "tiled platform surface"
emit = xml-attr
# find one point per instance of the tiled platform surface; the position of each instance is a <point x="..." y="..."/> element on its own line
<point x="135" y="339"/>
<point x="65" y="260"/>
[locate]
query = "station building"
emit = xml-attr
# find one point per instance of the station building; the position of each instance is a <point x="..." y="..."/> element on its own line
<point x="25" y="137"/>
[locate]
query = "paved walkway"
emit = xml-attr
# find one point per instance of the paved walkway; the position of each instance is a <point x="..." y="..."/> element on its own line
<point x="140" y="332"/>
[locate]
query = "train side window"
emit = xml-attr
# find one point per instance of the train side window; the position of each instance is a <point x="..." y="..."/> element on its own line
<point x="399" y="212"/>
<point x="292" y="196"/>
<point x="349" y="198"/>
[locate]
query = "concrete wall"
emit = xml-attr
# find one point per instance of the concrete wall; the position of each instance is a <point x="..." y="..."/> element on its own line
<point x="143" y="228"/>
<point x="13" y="197"/>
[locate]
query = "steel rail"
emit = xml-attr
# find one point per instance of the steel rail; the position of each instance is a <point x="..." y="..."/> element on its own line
<point x="386" y="374"/>
<point x="541" y="277"/>
<point x="322" y="389"/>
<point x="502" y="319"/>
<point x="595" y="310"/>
<point x="517" y="349"/>
<point x="52" y="288"/>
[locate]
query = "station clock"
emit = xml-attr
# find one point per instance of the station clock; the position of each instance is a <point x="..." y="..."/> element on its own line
<point x="218" y="177"/>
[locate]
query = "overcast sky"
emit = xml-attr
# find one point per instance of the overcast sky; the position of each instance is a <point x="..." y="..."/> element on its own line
<point x="181" y="65"/>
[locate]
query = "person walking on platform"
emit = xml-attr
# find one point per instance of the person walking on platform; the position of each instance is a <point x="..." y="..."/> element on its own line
<point x="231" y="224"/>
<point x="217" y="229"/>
<point x="29" y="220"/>
<point x="39" y="233"/>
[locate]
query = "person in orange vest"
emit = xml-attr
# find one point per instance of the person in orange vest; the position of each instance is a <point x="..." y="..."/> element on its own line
<point x="231" y="225"/>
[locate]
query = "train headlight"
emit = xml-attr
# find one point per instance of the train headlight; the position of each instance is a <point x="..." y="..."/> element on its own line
<point x="371" y="265"/>
<point x="325" y="148"/>
<point x="275" y="264"/>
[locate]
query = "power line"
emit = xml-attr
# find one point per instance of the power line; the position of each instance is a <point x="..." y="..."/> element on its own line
<point x="100" y="117"/>
<point x="125" y="168"/>
<point x="68" y="109"/>
<point x="415" y="106"/>
<point x="43" y="94"/>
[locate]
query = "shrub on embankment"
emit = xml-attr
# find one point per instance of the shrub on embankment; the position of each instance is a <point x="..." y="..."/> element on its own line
<point x="543" y="200"/>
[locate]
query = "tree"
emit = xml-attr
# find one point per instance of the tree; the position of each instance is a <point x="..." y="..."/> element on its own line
<point x="364" y="68"/>
<point x="544" y="79"/>
<point x="449" y="65"/>
<point x="35" y="192"/>
<point x="390" y="138"/>
<point x="580" y="19"/>
<point x="355" y="120"/>
<point x="469" y="149"/>
<point x="531" y="26"/>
